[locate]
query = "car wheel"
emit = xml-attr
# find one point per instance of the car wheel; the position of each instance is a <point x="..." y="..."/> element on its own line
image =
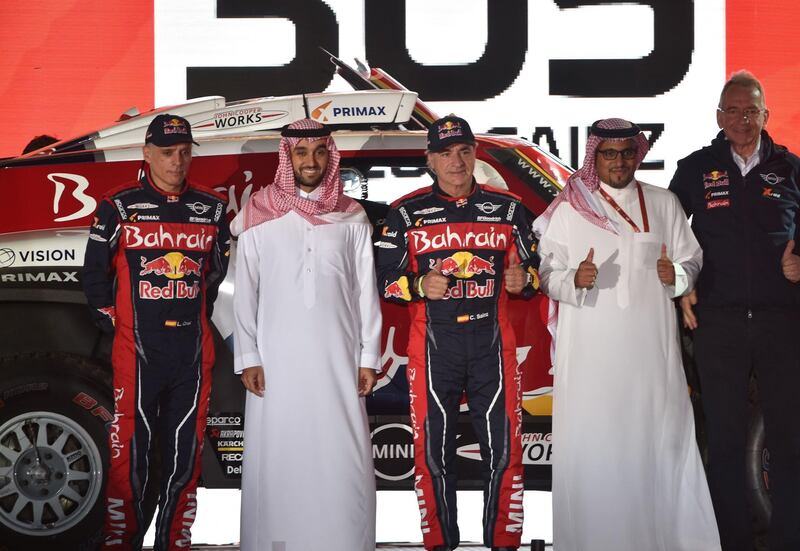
<point x="53" y="451"/>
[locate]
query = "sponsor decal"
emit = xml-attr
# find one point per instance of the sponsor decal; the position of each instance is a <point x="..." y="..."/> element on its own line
<point x="121" y="208"/>
<point x="225" y="431"/>
<point x="142" y="206"/>
<point x="429" y="210"/>
<point x="385" y="245"/>
<point x="175" y="126"/>
<point x="448" y="237"/>
<point x="159" y="236"/>
<point x="177" y="323"/>
<point x="511" y="208"/>
<point x="537" y="448"/>
<point x="136" y="217"/>
<point x="393" y="451"/>
<point x="487" y="207"/>
<point x="218" y="212"/>
<point x="198" y="220"/>
<point x="366" y="111"/>
<point x="319" y="112"/>
<point x="462" y="202"/>
<point x="116" y="444"/>
<point x="97" y="225"/>
<point x="449" y="129"/>
<point x="423" y="509"/>
<point x="398" y="289"/>
<point x="488" y="218"/>
<point x="404" y="214"/>
<point x="174" y="265"/>
<point x="772" y="178"/>
<point x="716" y="178"/>
<point x="770" y="193"/>
<point x="96" y="237"/>
<point x="464" y="264"/>
<point x="386" y="233"/>
<point x="470" y="289"/>
<point x="81" y="184"/>
<point x="429" y="221"/>
<point x="514" y="524"/>
<point x="116" y="520"/>
<point x="198" y="208"/>
<point x="7" y="257"/>
<point x="40" y="277"/>
<point x="238" y="118"/>
<point x="717" y="203"/>
<point x="91" y="405"/>
<point x="189" y="513"/>
<point x="719" y="193"/>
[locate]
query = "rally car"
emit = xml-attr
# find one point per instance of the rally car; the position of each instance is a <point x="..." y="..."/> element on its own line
<point x="56" y="404"/>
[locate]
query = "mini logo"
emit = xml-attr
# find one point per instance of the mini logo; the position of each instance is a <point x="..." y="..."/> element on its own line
<point x="198" y="207"/>
<point x="772" y="178"/>
<point x="487" y="207"/>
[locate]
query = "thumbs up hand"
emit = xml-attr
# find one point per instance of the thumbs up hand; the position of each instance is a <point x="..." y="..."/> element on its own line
<point x="434" y="283"/>
<point x="665" y="267"/>
<point x="586" y="273"/>
<point x="790" y="263"/>
<point x="515" y="275"/>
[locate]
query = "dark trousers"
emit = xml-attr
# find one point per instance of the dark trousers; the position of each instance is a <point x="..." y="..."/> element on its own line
<point x="729" y="345"/>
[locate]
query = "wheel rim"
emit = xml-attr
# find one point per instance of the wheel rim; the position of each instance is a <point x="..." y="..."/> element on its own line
<point x="50" y="473"/>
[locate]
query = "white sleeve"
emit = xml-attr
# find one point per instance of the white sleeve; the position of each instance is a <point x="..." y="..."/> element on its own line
<point x="245" y="304"/>
<point x="368" y="302"/>
<point x="683" y="249"/>
<point x="558" y="278"/>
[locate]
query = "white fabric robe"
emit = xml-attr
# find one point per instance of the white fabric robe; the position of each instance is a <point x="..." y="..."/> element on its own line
<point x="627" y="474"/>
<point x="307" y="310"/>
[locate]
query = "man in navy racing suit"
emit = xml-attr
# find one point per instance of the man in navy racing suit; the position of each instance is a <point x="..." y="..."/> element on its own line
<point x="157" y="253"/>
<point x="454" y="251"/>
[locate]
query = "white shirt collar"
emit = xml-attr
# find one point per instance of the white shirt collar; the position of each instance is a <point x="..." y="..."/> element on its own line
<point x="746" y="165"/>
<point x="312" y="195"/>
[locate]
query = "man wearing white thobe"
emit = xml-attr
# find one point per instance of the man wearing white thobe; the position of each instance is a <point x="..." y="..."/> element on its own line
<point x="627" y="473"/>
<point x="307" y="346"/>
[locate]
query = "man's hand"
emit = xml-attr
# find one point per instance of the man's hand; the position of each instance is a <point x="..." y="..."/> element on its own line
<point x="790" y="263"/>
<point x="253" y="380"/>
<point x="689" y="319"/>
<point x="366" y="380"/>
<point x="515" y="276"/>
<point x="586" y="274"/>
<point x="665" y="267"/>
<point x="434" y="284"/>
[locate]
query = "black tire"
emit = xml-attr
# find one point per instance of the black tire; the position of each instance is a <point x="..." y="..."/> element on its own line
<point x="62" y="403"/>
<point x="758" y="471"/>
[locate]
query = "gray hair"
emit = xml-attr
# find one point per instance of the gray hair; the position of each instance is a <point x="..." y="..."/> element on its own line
<point x="745" y="79"/>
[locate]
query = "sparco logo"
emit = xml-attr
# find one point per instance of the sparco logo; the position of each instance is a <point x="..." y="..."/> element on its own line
<point x="157" y="236"/>
<point x="393" y="451"/>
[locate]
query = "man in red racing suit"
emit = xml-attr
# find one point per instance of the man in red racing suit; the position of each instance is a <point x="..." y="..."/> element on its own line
<point x="455" y="251"/>
<point x="156" y="255"/>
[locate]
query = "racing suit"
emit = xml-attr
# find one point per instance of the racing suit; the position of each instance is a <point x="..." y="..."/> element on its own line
<point x="463" y="343"/>
<point x="748" y="321"/>
<point x="153" y="265"/>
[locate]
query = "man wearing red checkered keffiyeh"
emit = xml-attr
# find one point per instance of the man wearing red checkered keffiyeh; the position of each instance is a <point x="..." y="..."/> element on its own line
<point x="319" y="193"/>
<point x="307" y="347"/>
<point x="615" y="252"/>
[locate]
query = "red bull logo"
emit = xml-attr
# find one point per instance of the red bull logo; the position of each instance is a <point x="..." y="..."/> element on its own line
<point x="173" y="265"/>
<point x="465" y="265"/>
<point x="398" y="289"/>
